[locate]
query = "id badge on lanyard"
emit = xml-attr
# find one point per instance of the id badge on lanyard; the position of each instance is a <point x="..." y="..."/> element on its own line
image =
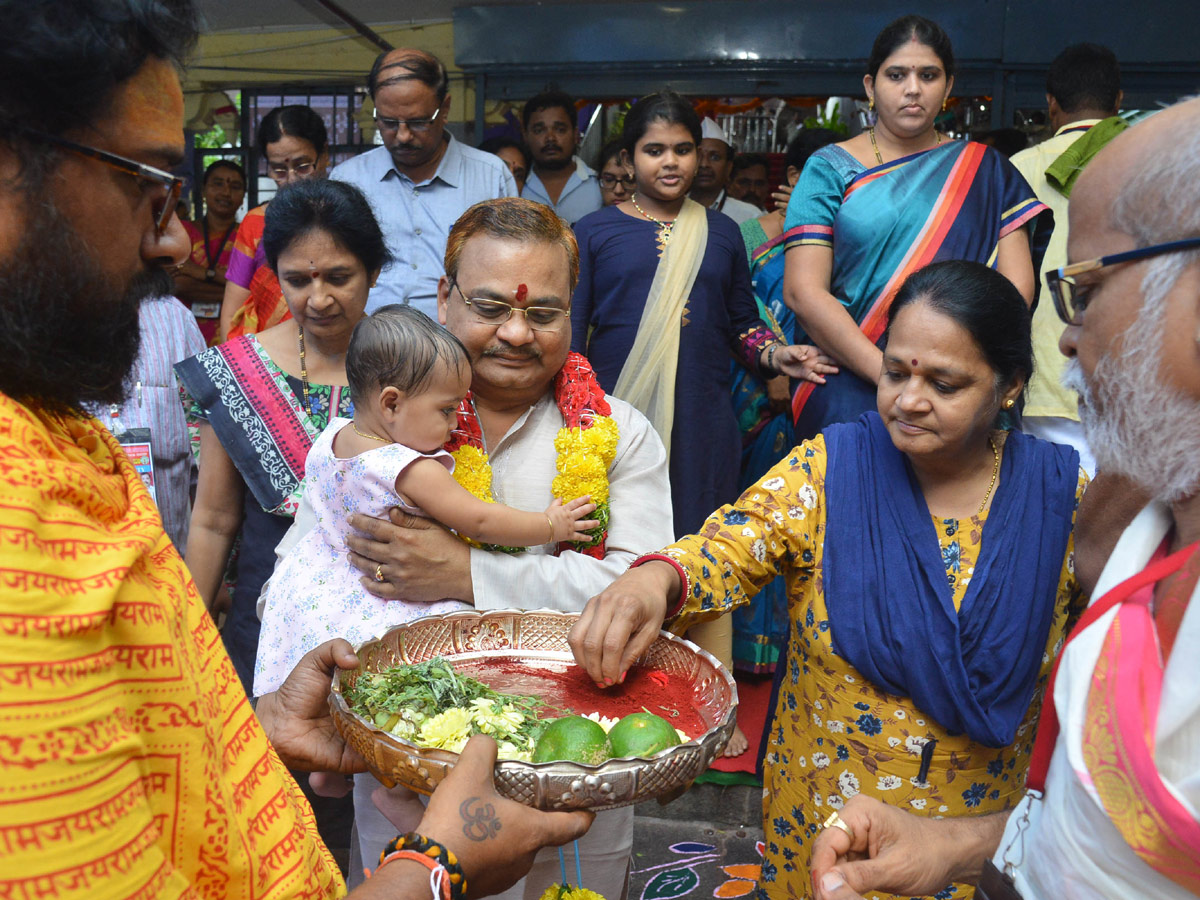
<point x="138" y="446"/>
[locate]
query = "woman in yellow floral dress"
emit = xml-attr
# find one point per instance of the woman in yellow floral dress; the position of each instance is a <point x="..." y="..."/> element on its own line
<point x="928" y="559"/>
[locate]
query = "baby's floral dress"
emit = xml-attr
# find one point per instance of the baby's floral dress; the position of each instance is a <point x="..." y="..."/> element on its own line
<point x="834" y="734"/>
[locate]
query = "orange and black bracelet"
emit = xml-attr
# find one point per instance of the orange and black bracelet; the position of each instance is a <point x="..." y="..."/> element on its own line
<point x="431" y="855"/>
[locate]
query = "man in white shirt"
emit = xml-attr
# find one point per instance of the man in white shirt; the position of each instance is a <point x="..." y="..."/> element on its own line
<point x="517" y="252"/>
<point x="421" y="180"/>
<point x="715" y="163"/>
<point x="1083" y="95"/>
<point x="1118" y="816"/>
<point x="559" y="179"/>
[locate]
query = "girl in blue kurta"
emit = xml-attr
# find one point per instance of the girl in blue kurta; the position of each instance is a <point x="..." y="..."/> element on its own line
<point x="621" y="250"/>
<point x="664" y="298"/>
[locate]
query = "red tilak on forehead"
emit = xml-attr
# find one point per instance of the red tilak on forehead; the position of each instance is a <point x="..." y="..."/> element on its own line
<point x="522" y="292"/>
<point x="914" y="362"/>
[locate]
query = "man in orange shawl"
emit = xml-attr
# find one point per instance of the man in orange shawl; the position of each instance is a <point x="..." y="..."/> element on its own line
<point x="132" y="763"/>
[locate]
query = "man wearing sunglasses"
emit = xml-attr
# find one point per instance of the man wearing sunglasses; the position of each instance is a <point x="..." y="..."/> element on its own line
<point x="133" y="764"/>
<point x="422" y="179"/>
<point x="1114" y="792"/>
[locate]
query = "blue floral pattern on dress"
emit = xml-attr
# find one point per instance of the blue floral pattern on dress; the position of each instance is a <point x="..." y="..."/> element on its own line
<point x="835" y="734"/>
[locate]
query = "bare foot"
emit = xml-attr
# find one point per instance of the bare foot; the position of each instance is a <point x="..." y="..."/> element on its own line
<point x="737" y="743"/>
<point x="329" y="784"/>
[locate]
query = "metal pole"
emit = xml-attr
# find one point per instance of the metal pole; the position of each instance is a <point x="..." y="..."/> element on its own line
<point x="358" y="25"/>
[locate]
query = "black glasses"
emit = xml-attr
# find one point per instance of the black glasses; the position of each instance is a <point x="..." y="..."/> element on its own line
<point x="416" y="126"/>
<point x="1071" y="299"/>
<point x="496" y="312"/>
<point x="172" y="184"/>
<point x="609" y="182"/>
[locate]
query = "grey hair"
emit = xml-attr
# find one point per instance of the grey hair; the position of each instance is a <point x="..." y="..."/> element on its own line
<point x="398" y="346"/>
<point x="1161" y="202"/>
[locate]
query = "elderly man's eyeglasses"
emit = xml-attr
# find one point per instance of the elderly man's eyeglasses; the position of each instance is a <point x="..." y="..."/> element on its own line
<point x="416" y="126"/>
<point x="1071" y="299"/>
<point x="496" y="312"/>
<point x="171" y="185"/>
<point x="609" y="182"/>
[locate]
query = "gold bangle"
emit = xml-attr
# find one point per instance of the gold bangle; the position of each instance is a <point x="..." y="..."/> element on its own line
<point x="550" y="522"/>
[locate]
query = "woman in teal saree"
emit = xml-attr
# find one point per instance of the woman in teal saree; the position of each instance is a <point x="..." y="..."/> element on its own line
<point x="868" y="212"/>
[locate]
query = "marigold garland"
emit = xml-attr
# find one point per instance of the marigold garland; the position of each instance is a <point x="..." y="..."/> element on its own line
<point x="586" y="446"/>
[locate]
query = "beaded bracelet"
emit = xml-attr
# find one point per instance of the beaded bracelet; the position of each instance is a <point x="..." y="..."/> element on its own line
<point x="434" y="856"/>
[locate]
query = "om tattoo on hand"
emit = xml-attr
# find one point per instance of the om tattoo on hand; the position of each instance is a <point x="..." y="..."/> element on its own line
<point x="479" y="819"/>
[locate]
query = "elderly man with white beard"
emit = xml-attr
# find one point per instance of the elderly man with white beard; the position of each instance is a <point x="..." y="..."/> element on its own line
<point x="1115" y="777"/>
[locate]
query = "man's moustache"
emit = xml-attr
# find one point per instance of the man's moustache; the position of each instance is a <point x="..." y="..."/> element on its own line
<point x="523" y="353"/>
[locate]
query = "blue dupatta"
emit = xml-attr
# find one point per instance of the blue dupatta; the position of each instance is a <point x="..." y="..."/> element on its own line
<point x="891" y="610"/>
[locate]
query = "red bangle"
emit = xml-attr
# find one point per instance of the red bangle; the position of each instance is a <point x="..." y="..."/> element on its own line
<point x="684" y="581"/>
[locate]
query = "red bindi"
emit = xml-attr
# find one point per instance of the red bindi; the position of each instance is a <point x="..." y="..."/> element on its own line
<point x="522" y="292"/>
<point x="914" y="362"/>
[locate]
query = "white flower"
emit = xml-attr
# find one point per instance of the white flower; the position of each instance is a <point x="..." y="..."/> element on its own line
<point x="900" y="714"/>
<point x="759" y="549"/>
<point x="913" y="744"/>
<point x="888" y="782"/>
<point x="820" y="760"/>
<point x="918" y="803"/>
<point x="795" y="512"/>
<point x="920" y="722"/>
<point x="818" y="800"/>
<point x="943" y="808"/>
<point x="808" y="496"/>
<point x="893" y="742"/>
<point x="773" y="484"/>
<point x="836" y="802"/>
<point x="923" y="785"/>
<point x="747" y="531"/>
<point x="817" y="720"/>
<point x="604" y="721"/>
<point x="836" y="727"/>
<point x="817" y="704"/>
<point x="848" y="783"/>
<point x="850" y="678"/>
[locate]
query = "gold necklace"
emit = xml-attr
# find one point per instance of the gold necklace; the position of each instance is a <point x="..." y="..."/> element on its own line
<point x="664" y="228"/>
<point x="875" y="146"/>
<point x="304" y="375"/>
<point x="995" y="472"/>
<point x="370" y="437"/>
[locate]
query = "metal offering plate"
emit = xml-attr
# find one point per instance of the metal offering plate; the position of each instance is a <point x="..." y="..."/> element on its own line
<point x="537" y="638"/>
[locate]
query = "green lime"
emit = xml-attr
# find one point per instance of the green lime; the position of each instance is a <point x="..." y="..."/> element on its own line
<point x="642" y="734"/>
<point x="572" y="738"/>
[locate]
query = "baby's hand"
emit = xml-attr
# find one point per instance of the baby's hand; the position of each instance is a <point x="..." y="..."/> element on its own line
<point x="568" y="520"/>
<point x="805" y="362"/>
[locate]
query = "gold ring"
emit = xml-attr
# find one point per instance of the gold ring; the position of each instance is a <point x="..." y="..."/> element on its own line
<point x="379" y="576"/>
<point x="836" y="821"/>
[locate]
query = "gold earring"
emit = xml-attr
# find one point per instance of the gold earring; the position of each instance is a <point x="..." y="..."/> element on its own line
<point x="944" y="102"/>
<point x="871" y="104"/>
<point x="1010" y="403"/>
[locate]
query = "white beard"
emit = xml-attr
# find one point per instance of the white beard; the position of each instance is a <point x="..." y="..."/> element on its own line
<point x="1136" y="425"/>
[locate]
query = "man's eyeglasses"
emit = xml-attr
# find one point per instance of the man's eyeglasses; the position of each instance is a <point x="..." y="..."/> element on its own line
<point x="496" y="312"/>
<point x="300" y="170"/>
<point x="415" y="126"/>
<point x="1071" y="299"/>
<point x="609" y="182"/>
<point x="163" y="208"/>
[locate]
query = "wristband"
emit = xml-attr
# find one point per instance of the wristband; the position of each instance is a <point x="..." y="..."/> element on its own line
<point x="433" y="856"/>
<point x="770" y="366"/>
<point x="684" y="581"/>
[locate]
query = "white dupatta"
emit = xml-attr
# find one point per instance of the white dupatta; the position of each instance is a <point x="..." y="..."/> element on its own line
<point x="647" y="380"/>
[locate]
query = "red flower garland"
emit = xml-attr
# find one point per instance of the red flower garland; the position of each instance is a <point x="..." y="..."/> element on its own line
<point x="579" y="398"/>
